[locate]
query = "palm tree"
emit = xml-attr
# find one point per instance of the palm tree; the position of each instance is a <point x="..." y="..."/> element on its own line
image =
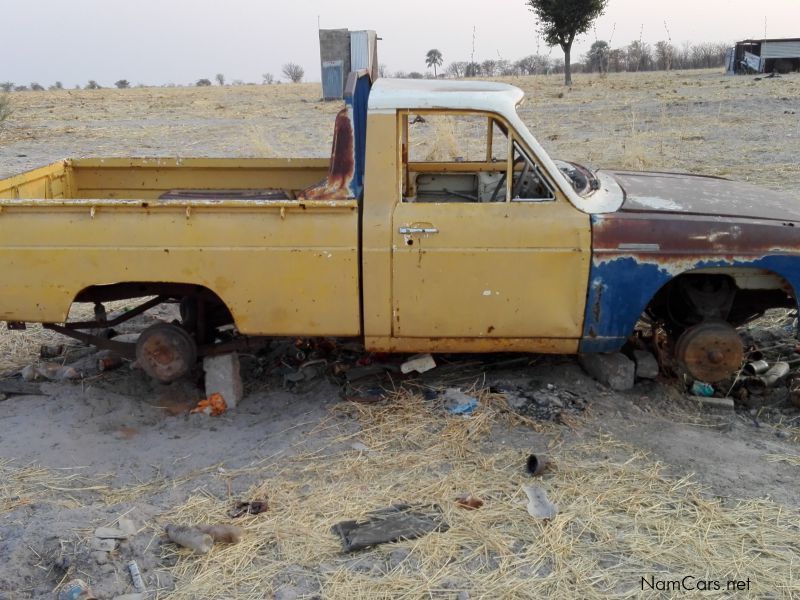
<point x="433" y="59"/>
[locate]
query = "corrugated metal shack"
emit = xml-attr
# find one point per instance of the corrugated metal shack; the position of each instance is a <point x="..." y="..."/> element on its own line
<point x="765" y="56"/>
<point x="342" y="51"/>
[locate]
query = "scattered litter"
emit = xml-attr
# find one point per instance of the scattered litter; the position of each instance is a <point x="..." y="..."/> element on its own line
<point x="108" y="361"/>
<point x="721" y="404"/>
<point x="307" y="371"/>
<point x="357" y="373"/>
<point x="421" y="363"/>
<point x="77" y="589"/>
<point x="213" y="406"/>
<point x="794" y="392"/>
<point x="254" y="507"/>
<point x="400" y="522"/>
<point x="51" y="351"/>
<point x="127" y="525"/>
<point x="777" y="373"/>
<point x="536" y="465"/>
<point x="459" y="403"/>
<point x="757" y="367"/>
<point x="469" y="502"/>
<point x="539" y="506"/>
<point x="190" y="537"/>
<point x="49" y="371"/>
<point x="544" y="403"/>
<point x="136" y="577"/>
<point x="702" y="389"/>
<point x="103" y="544"/>
<point x="110" y="533"/>
<point x="22" y="388"/>
<point x="223" y="534"/>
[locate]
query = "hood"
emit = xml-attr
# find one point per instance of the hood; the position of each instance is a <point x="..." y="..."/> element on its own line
<point x="700" y="195"/>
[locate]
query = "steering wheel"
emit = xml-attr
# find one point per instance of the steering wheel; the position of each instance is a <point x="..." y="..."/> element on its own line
<point x="502" y="181"/>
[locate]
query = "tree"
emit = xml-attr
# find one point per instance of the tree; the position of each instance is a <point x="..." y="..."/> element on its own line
<point x="57" y="86"/>
<point x="7" y="86"/>
<point x="640" y="57"/>
<point x="472" y="69"/>
<point x="293" y="72"/>
<point x="664" y="55"/>
<point x="506" y="68"/>
<point x="489" y="67"/>
<point x="561" y="21"/>
<point x="434" y="59"/>
<point x="122" y="84"/>
<point x="220" y="78"/>
<point x="530" y="65"/>
<point x="37" y="87"/>
<point x="456" y="69"/>
<point x="597" y="57"/>
<point x="92" y="85"/>
<point x="268" y="78"/>
<point x="415" y="75"/>
<point x="383" y="70"/>
<point x="203" y="82"/>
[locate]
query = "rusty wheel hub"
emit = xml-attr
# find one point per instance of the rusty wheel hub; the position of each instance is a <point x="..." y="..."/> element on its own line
<point x="711" y="351"/>
<point x="166" y="352"/>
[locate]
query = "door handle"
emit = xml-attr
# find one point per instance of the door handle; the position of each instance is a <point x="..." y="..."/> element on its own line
<point x="408" y="230"/>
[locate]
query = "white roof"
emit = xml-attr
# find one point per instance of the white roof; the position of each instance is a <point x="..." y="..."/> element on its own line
<point x="393" y="94"/>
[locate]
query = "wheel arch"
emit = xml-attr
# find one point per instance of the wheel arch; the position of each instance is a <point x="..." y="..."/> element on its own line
<point x="622" y="289"/>
<point x="125" y="290"/>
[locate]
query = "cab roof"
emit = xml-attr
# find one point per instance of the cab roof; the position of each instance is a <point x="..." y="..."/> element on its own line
<point x="394" y="94"/>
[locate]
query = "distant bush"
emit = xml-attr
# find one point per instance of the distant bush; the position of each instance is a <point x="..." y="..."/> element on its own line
<point x="415" y="75"/>
<point x="92" y="85"/>
<point x="57" y="86"/>
<point x="203" y="82"/>
<point x="122" y="84"/>
<point x="268" y="78"/>
<point x="20" y="88"/>
<point x="36" y="87"/>
<point x="220" y="78"/>
<point x="5" y="108"/>
<point x="7" y="86"/>
<point x="293" y="72"/>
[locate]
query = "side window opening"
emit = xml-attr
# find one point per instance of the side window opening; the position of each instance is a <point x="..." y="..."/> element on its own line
<point x="528" y="182"/>
<point x="459" y="157"/>
<point x="454" y="157"/>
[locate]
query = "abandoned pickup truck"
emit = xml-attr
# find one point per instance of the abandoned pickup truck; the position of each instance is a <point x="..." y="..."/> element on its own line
<point x="439" y="224"/>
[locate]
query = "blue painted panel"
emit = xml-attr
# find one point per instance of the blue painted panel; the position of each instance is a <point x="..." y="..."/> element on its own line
<point x="621" y="288"/>
<point x="358" y="98"/>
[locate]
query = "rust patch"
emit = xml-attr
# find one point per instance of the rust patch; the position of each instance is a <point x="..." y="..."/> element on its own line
<point x="671" y="237"/>
<point x="342" y="166"/>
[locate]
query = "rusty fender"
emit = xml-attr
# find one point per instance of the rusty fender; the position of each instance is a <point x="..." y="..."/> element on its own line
<point x="635" y="254"/>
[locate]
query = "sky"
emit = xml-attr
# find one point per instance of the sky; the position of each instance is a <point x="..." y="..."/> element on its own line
<point x="179" y="41"/>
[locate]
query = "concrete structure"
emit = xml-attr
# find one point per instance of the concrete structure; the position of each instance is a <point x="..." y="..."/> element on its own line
<point x="765" y="56"/>
<point x="342" y="51"/>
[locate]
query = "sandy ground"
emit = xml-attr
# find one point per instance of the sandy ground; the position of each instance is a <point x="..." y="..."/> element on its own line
<point x="646" y="482"/>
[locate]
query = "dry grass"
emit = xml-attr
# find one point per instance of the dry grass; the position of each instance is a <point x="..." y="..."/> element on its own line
<point x="620" y="519"/>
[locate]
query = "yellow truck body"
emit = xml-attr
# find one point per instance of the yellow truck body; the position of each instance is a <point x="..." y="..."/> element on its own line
<point x="405" y="273"/>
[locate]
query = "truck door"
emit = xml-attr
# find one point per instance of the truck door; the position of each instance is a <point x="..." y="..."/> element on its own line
<point x="484" y="244"/>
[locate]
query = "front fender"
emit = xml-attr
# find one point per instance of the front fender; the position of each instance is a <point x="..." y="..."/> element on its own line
<point x="634" y="257"/>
